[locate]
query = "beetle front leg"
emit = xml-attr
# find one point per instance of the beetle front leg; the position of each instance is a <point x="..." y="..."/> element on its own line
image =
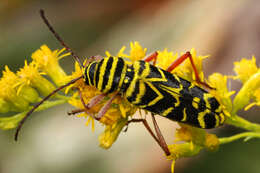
<point x="94" y="101"/>
<point x="104" y="109"/>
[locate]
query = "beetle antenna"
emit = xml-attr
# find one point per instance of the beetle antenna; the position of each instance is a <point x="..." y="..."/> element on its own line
<point x="38" y="104"/>
<point x="76" y="58"/>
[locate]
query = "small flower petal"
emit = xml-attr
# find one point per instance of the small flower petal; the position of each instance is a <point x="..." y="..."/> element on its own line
<point x="137" y="52"/>
<point x="109" y="136"/>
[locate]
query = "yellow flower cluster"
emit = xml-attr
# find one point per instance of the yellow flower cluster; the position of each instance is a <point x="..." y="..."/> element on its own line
<point x="248" y="72"/>
<point x="20" y="90"/>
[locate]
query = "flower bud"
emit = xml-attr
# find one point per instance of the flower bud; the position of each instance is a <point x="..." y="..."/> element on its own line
<point x="4" y="106"/>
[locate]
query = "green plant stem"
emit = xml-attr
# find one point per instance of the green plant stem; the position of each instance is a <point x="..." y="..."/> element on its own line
<point x="242" y="123"/>
<point x="58" y="96"/>
<point x="239" y="136"/>
<point x="12" y="122"/>
<point x="49" y="104"/>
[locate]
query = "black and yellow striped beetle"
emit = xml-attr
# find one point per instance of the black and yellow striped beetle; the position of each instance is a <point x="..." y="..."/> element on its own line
<point x="148" y="87"/>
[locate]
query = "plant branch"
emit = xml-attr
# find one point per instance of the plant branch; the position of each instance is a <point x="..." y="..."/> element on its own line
<point x="246" y="135"/>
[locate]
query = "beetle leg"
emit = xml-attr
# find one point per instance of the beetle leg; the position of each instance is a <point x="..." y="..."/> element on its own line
<point x="160" y="137"/>
<point x="94" y="101"/>
<point x="104" y="109"/>
<point x="148" y="128"/>
<point x="93" y="58"/>
<point x="97" y="57"/>
<point x="146" y="125"/>
<point x="76" y="111"/>
<point x="179" y="60"/>
<point x="152" y="57"/>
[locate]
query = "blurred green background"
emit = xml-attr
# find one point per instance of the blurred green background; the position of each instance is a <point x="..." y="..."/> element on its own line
<point x="52" y="142"/>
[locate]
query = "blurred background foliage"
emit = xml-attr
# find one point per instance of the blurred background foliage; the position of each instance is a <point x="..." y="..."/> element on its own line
<point x="54" y="142"/>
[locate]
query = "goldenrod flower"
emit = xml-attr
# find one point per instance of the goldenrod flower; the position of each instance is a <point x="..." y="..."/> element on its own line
<point x="137" y="52"/>
<point x="221" y="92"/>
<point x="9" y="93"/>
<point x="245" y="68"/>
<point x="248" y="72"/>
<point x="47" y="61"/>
<point x="247" y="92"/>
<point x="165" y="58"/>
<point x="30" y="76"/>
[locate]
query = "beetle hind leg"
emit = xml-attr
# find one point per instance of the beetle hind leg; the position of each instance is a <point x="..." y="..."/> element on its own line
<point x="157" y="137"/>
<point x="180" y="60"/>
